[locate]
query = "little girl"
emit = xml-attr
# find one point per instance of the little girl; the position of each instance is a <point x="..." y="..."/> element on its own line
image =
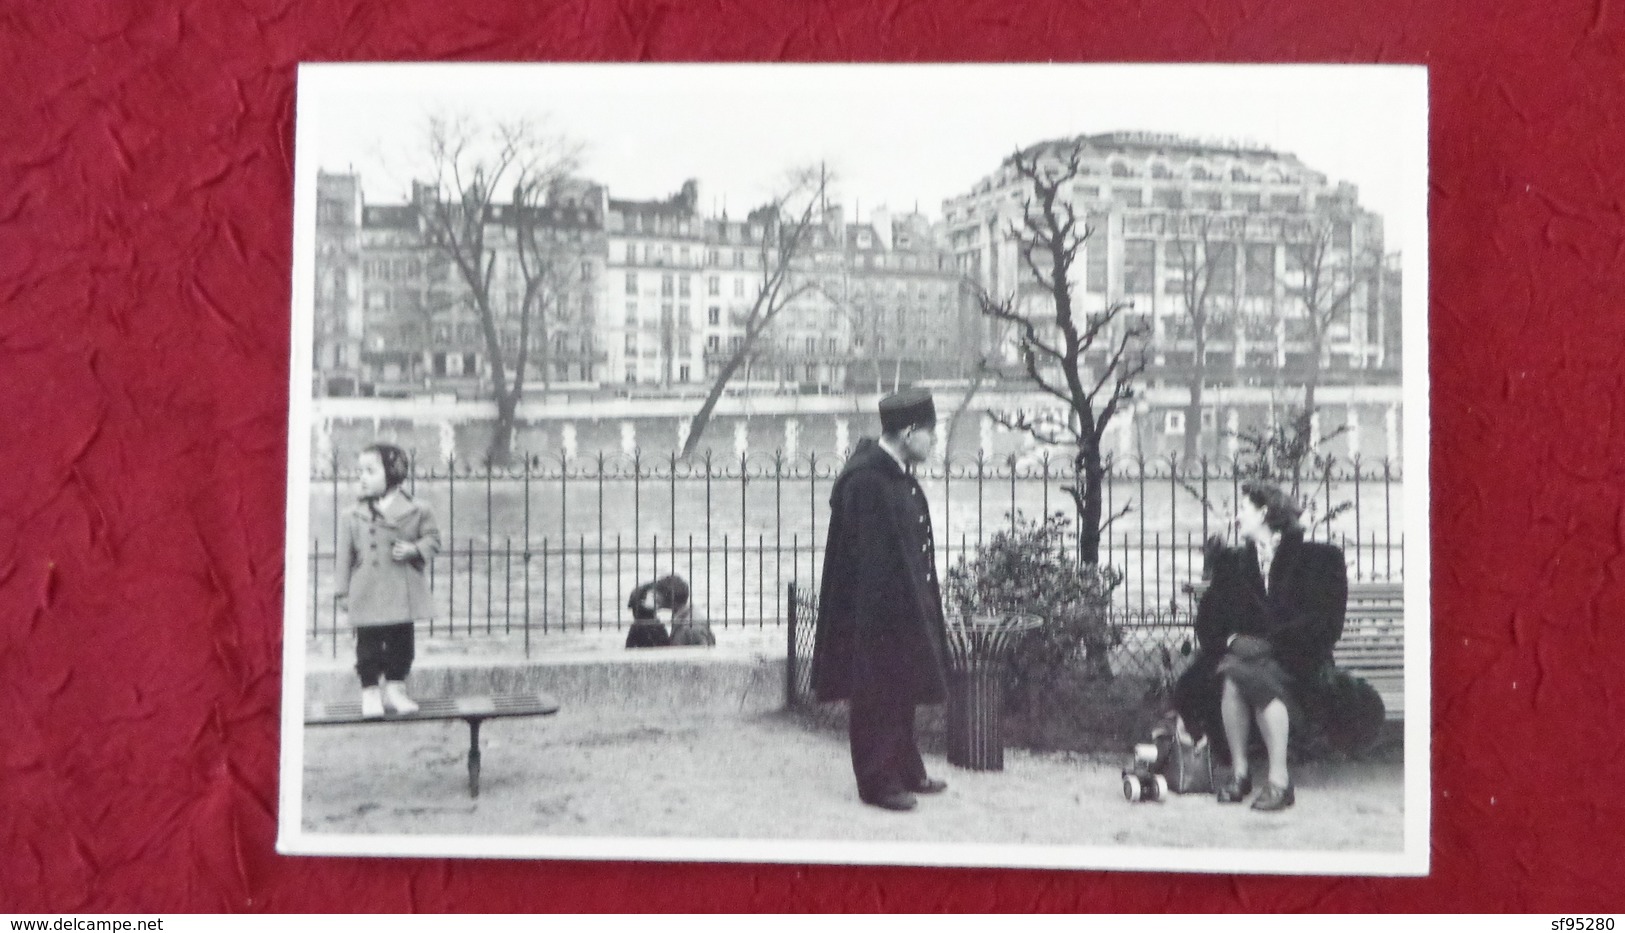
<point x="385" y="544"/>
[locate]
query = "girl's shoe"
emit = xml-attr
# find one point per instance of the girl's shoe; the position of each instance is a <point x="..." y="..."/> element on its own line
<point x="395" y="696"/>
<point x="1274" y="798"/>
<point x="372" y="702"/>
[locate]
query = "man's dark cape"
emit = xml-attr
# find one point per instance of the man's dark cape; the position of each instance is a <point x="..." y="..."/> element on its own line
<point x="880" y="620"/>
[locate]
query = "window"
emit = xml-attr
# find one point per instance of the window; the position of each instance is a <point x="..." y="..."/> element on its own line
<point x="631" y="283"/>
<point x="682" y="316"/>
<point x="812" y="373"/>
<point x="1222" y="266"/>
<point x="683" y="287"/>
<point x="1210" y="200"/>
<point x="735" y="342"/>
<point x="631" y="374"/>
<point x="1260" y="269"/>
<point x="834" y="345"/>
<point x="666" y="285"/>
<point x="1173" y="422"/>
<point x="1160" y="170"/>
<point x="713" y="285"/>
<point x="682" y="254"/>
<point x="1171" y="198"/>
<point x="683" y="347"/>
<point x="1119" y="170"/>
<point x="682" y="373"/>
<point x="1286" y="202"/>
<point x="1094" y="259"/>
<point x="739" y="288"/>
<point x="713" y="343"/>
<point x="631" y="344"/>
<point x="713" y="315"/>
<point x="1128" y="197"/>
<point x="812" y="345"/>
<point x="631" y="312"/>
<point x="1246" y="202"/>
<point x="1139" y="257"/>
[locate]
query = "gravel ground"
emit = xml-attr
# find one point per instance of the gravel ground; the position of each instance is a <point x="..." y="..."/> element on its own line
<point x="582" y="773"/>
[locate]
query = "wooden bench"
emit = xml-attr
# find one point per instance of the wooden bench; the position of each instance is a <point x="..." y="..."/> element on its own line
<point x="1373" y="643"/>
<point x="473" y="710"/>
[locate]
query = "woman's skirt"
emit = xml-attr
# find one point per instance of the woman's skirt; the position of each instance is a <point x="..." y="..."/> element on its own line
<point x="1250" y="663"/>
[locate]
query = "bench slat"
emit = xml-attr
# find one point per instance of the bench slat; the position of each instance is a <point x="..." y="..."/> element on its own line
<point x="430" y="709"/>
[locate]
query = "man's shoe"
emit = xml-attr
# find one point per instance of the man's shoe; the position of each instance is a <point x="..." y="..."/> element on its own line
<point x="1236" y="790"/>
<point x="899" y="800"/>
<point x="1274" y="798"/>
<point x="930" y="786"/>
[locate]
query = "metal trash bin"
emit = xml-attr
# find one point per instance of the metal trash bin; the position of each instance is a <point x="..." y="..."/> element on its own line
<point x="977" y="647"/>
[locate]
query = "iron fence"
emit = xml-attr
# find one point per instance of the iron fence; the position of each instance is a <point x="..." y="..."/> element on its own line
<point x="555" y="546"/>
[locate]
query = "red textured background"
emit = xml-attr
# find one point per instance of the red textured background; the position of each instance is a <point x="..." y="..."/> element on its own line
<point x="145" y="217"/>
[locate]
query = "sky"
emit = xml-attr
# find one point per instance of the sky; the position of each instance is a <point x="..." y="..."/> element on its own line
<point x="893" y="135"/>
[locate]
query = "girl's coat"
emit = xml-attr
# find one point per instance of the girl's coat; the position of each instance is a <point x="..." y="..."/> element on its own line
<point x="381" y="589"/>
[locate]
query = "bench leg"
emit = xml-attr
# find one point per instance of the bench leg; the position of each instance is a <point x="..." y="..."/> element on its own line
<point x="474" y="757"/>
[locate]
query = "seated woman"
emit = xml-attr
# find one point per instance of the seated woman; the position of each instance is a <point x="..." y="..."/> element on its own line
<point x="1266" y="626"/>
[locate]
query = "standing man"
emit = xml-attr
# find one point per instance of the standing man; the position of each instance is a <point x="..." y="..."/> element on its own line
<point x="881" y="640"/>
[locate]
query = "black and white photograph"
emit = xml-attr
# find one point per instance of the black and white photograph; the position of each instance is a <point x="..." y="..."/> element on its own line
<point x="953" y="464"/>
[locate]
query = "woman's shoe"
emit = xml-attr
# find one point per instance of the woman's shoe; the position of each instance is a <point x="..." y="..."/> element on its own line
<point x="1236" y="790"/>
<point x="1274" y="798"/>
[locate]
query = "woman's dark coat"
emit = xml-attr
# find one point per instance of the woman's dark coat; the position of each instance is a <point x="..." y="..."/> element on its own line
<point x="1300" y="616"/>
<point x="880" y="621"/>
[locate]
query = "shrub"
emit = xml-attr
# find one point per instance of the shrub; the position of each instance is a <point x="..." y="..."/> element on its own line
<point x="1027" y="569"/>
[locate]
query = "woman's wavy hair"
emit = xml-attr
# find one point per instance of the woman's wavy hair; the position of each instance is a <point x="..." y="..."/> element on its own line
<point x="1280" y="511"/>
<point x="397" y="465"/>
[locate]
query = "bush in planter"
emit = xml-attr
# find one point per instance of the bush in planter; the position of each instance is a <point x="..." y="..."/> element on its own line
<point x="1028" y="569"/>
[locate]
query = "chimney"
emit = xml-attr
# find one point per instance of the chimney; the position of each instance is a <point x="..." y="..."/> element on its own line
<point x="880" y="219"/>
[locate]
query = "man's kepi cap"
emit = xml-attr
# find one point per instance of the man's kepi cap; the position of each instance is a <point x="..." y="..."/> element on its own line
<point x="906" y="409"/>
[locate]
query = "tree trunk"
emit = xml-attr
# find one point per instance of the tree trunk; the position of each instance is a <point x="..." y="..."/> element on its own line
<point x="959" y="412"/>
<point x="1093" y="474"/>
<point x="1193" y="409"/>
<point x="702" y="418"/>
<point x="500" y="449"/>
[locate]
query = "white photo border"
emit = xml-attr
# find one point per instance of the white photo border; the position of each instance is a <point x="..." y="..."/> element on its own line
<point x="320" y="83"/>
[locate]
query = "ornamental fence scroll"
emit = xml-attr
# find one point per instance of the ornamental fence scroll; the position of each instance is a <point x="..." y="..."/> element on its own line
<point x="555" y="545"/>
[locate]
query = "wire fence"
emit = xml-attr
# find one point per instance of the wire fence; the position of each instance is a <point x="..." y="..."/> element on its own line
<point x="556" y="546"/>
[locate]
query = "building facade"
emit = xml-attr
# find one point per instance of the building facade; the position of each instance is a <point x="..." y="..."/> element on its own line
<point x="394" y="316"/>
<point x="1266" y="237"/>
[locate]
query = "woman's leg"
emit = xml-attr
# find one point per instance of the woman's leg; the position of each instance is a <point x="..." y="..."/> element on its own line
<point x="1237" y="722"/>
<point x="1276" y="727"/>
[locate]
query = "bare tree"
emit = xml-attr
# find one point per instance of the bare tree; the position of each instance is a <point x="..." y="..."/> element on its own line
<point x="1206" y="293"/>
<point x="1053" y="338"/>
<point x="555" y="245"/>
<point x="1324" y="270"/>
<point x="470" y="163"/>
<point x="788" y="225"/>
